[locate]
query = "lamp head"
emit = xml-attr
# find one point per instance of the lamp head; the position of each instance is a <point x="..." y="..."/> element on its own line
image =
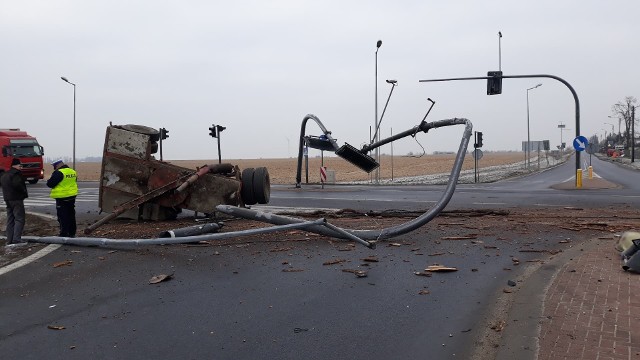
<point x="378" y="44"/>
<point x="393" y="82"/>
<point x="500" y="33"/>
<point x="64" y="78"/>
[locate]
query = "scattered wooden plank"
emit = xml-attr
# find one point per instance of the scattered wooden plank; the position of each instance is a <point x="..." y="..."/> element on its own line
<point x="334" y="261"/>
<point x="440" y="268"/>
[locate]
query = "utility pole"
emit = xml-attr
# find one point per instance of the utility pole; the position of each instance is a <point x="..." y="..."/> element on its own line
<point x="499" y="50"/>
<point x="633" y="134"/>
<point x="528" y="153"/>
<point x="561" y="127"/>
<point x="375" y="122"/>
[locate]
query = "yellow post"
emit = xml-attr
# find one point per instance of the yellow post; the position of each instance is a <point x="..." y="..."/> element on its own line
<point x="579" y="178"/>
<point x="590" y="172"/>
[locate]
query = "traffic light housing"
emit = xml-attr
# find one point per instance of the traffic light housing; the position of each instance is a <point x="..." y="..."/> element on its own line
<point x="478" y="143"/>
<point x="494" y="82"/>
<point x="164" y="133"/>
<point x="212" y="131"/>
<point x="219" y="129"/>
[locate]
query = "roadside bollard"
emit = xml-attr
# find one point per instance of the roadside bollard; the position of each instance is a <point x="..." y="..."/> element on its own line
<point x="590" y="172"/>
<point x="579" y="178"/>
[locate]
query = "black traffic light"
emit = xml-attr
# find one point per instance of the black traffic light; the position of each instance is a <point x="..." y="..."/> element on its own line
<point x="478" y="143"/>
<point x="215" y="130"/>
<point x="164" y="133"/>
<point x="494" y="82"/>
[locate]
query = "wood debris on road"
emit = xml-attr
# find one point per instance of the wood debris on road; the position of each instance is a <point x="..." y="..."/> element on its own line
<point x="440" y="268"/>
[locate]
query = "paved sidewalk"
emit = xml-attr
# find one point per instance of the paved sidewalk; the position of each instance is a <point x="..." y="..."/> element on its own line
<point x="592" y="308"/>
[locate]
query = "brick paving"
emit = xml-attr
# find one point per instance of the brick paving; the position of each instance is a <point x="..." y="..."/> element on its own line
<point x="592" y="308"/>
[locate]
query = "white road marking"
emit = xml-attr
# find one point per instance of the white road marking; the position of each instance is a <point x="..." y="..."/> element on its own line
<point x="352" y="199"/>
<point x="552" y="205"/>
<point x="50" y="248"/>
<point x="33" y="257"/>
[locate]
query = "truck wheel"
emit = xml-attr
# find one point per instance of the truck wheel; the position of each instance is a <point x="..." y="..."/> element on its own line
<point x="246" y="187"/>
<point x="261" y="185"/>
<point x="141" y="129"/>
<point x="33" y="181"/>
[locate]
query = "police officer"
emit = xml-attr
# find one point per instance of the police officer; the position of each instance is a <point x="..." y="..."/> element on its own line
<point x="64" y="188"/>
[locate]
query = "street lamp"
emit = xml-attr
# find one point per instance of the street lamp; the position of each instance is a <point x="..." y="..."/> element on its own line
<point x="375" y="121"/>
<point x="393" y="83"/>
<point x="528" y="153"/>
<point x="633" y="133"/>
<point x="74" y="119"/>
<point x="612" y="131"/>
<point x="562" y="127"/>
<point x="499" y="50"/>
<point x="612" y="128"/>
<point x="619" y="122"/>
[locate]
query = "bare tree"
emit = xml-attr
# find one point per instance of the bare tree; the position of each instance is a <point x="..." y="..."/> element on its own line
<point x="623" y="110"/>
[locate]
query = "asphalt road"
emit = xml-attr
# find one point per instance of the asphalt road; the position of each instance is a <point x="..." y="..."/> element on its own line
<point x="273" y="300"/>
<point x="530" y="191"/>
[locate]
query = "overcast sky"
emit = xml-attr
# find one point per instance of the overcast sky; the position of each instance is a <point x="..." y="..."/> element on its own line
<point x="258" y="67"/>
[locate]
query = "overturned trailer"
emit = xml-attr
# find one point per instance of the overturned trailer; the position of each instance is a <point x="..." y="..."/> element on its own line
<point x="133" y="184"/>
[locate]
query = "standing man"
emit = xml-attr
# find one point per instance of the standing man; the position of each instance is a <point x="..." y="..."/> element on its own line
<point x="14" y="191"/>
<point x="64" y="188"/>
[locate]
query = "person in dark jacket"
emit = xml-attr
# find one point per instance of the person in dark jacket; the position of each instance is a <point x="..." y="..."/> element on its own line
<point x="14" y="191"/>
<point x="64" y="188"/>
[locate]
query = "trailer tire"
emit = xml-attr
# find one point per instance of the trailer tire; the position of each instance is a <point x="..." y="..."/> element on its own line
<point x="141" y="129"/>
<point x="261" y="185"/>
<point x="246" y="187"/>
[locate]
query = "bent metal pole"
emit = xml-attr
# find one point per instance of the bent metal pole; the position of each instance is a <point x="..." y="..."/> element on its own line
<point x="385" y="233"/>
<point x="573" y="92"/>
<point x="106" y="242"/>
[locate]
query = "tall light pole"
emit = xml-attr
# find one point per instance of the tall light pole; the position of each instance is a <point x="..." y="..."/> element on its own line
<point x="375" y="121"/>
<point x="562" y="127"/>
<point x="499" y="50"/>
<point x="612" y="129"/>
<point x="633" y="134"/>
<point x="619" y="122"/>
<point x="528" y="133"/>
<point x="74" y="119"/>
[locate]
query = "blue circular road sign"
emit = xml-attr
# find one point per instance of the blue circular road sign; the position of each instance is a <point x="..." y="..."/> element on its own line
<point x="580" y="143"/>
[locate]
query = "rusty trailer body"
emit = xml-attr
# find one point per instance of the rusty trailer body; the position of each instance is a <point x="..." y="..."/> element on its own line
<point x="136" y="185"/>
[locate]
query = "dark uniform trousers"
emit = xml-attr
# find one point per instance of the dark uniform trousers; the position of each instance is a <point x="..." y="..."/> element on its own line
<point x="66" y="211"/>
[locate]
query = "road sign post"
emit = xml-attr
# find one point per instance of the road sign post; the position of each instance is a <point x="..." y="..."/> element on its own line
<point x="323" y="175"/>
<point x="580" y="143"/>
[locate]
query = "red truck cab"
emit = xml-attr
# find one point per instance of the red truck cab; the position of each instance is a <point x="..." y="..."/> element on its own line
<point x="18" y="144"/>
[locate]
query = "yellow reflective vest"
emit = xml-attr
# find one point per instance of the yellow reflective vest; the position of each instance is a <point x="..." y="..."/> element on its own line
<point x="68" y="186"/>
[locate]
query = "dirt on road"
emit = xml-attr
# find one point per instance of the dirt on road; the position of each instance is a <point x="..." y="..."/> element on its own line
<point x="611" y="220"/>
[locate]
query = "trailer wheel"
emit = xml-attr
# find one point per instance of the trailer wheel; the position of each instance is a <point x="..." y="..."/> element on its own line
<point x="261" y="185"/>
<point x="246" y="187"/>
<point x="141" y="129"/>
